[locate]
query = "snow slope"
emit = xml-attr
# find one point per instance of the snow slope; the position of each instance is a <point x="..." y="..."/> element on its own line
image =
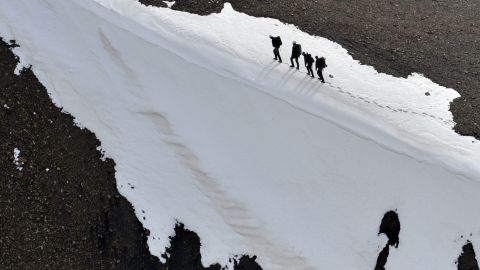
<point x="255" y="157"/>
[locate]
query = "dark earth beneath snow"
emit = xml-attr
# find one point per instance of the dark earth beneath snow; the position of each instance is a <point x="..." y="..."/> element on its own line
<point x="467" y="260"/>
<point x="437" y="38"/>
<point x="63" y="209"/>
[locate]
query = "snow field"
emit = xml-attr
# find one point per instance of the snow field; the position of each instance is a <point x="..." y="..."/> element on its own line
<point x="256" y="157"/>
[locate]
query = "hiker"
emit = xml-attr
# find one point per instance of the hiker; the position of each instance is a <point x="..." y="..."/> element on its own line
<point x="305" y="58"/>
<point x="276" y="43"/>
<point x="320" y="64"/>
<point x="296" y="52"/>
<point x="309" y="63"/>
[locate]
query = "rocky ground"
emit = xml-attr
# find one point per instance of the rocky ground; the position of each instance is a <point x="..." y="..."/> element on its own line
<point x="438" y="38"/>
<point x="59" y="203"/>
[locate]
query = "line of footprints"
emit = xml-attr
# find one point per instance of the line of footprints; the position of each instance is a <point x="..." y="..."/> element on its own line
<point x="385" y="107"/>
<point x="389" y="107"/>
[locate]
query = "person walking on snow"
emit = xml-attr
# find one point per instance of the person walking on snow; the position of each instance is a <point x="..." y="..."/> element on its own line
<point x="276" y="43"/>
<point x="309" y="63"/>
<point x="320" y="64"/>
<point x="296" y="52"/>
<point x="305" y="58"/>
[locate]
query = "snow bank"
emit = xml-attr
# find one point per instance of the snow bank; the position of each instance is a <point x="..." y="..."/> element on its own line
<point x="16" y="159"/>
<point x="255" y="157"/>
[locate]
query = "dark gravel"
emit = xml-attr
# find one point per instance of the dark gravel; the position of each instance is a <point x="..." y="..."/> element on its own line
<point x="155" y="3"/>
<point x="63" y="210"/>
<point x="438" y="38"/>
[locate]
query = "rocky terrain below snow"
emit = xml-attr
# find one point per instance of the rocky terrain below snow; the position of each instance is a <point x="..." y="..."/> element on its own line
<point x="59" y="203"/>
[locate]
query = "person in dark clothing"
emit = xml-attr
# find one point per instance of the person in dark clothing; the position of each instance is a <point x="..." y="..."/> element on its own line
<point x="320" y="64"/>
<point x="309" y="63"/>
<point x="305" y="58"/>
<point x="296" y="52"/>
<point x="276" y="43"/>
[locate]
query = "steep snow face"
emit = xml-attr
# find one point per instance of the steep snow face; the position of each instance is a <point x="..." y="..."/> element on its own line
<point x="257" y="158"/>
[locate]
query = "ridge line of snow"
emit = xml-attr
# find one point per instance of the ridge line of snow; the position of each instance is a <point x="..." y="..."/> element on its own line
<point x="377" y="132"/>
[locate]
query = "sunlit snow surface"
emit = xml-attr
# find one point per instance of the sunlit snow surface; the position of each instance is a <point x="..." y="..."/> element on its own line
<point x="256" y="157"/>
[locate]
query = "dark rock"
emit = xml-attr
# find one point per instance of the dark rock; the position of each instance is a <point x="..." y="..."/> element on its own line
<point x="467" y="260"/>
<point x="382" y="258"/>
<point x="390" y="226"/>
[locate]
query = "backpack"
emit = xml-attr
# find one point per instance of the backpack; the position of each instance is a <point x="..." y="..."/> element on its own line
<point x="310" y="59"/>
<point x="297" y="50"/>
<point x="323" y="64"/>
<point x="276" y="42"/>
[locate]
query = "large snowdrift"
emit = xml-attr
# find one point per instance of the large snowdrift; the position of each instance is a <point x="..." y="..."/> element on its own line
<point x="257" y="158"/>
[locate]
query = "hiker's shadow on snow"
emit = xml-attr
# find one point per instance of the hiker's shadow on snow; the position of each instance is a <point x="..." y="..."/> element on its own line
<point x="303" y="84"/>
<point x="308" y="86"/>
<point x="311" y="87"/>
<point x="267" y="70"/>
<point x="285" y="78"/>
